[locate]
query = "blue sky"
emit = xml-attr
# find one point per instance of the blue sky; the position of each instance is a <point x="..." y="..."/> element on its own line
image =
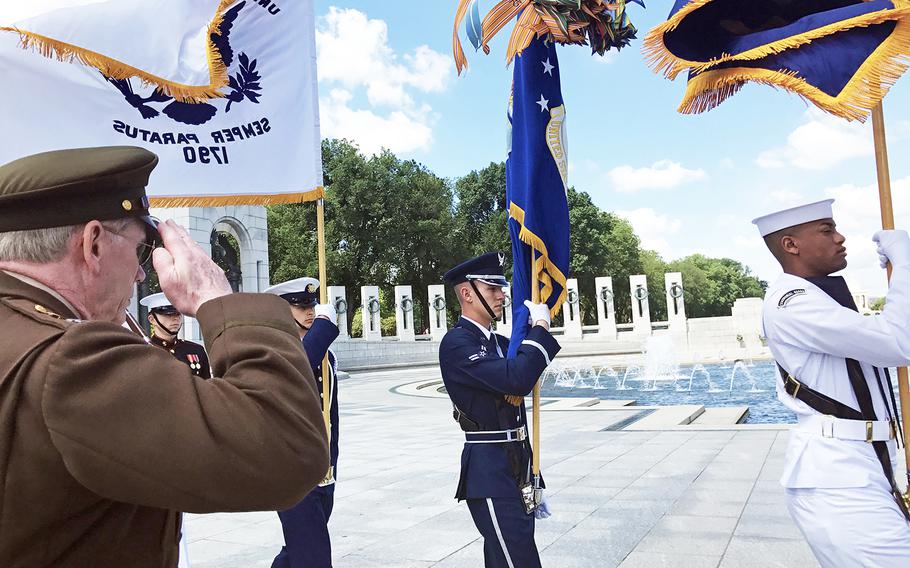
<point x="688" y="183"/>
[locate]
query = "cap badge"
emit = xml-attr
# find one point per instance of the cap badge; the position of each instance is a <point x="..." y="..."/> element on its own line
<point x="127" y="206"/>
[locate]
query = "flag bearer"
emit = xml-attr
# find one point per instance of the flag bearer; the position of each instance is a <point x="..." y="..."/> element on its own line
<point x="487" y="392"/>
<point x="305" y="525"/>
<point x="833" y="363"/>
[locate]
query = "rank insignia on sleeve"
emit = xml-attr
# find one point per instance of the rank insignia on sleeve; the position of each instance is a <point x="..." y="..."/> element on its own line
<point x="785" y="299"/>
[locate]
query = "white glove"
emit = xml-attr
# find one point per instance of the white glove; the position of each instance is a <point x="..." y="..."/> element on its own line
<point x="543" y="509"/>
<point x="326" y="311"/>
<point x="894" y="246"/>
<point x="537" y="312"/>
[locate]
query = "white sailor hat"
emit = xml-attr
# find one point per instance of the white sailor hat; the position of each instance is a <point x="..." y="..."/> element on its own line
<point x="158" y="303"/>
<point x="298" y="292"/>
<point x="773" y="222"/>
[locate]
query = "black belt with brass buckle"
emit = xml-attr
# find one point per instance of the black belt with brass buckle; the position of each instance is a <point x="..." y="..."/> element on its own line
<point x="816" y="400"/>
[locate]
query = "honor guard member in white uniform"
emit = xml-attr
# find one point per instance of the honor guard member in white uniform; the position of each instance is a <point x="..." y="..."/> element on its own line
<point x="166" y="322"/>
<point x="305" y="525"/>
<point x="487" y="392"/>
<point x="839" y="466"/>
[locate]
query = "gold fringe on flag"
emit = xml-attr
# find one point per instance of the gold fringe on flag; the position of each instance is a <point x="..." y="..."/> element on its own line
<point x="250" y="199"/>
<point x="114" y="69"/>
<point x="546" y="270"/>
<point x="860" y="95"/>
<point x="661" y="60"/>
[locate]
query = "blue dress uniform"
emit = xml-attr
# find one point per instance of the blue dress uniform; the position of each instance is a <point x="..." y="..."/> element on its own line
<point x="305" y="525"/>
<point x="496" y="459"/>
<point x="188" y="352"/>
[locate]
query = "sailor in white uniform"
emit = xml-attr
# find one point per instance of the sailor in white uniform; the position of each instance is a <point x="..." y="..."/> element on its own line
<point x="833" y="363"/>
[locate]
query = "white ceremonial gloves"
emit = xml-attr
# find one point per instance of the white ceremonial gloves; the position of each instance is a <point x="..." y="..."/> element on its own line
<point x="893" y="246"/>
<point x="537" y="312"/>
<point x="543" y="510"/>
<point x="326" y="311"/>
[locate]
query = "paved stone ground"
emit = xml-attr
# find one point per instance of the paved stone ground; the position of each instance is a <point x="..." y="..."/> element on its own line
<point x="681" y="498"/>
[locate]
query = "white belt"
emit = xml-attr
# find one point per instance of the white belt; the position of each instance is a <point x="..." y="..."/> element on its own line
<point x="859" y="430"/>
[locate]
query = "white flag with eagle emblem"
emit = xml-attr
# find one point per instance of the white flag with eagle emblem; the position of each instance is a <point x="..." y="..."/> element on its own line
<point x="223" y="91"/>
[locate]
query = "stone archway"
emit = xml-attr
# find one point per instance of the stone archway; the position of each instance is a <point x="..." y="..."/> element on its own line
<point x="245" y="224"/>
<point x="227" y="242"/>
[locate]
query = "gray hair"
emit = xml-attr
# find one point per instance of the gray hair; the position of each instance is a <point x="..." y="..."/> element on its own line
<point x="44" y="245"/>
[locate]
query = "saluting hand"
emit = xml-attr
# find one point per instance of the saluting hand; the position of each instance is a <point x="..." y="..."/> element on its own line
<point x="188" y="276"/>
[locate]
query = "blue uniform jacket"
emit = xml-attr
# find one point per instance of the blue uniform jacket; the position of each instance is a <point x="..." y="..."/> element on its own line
<point x="316" y="343"/>
<point x="477" y="376"/>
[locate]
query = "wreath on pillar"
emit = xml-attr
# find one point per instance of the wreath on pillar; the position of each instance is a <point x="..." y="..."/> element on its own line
<point x="373" y="306"/>
<point x="341" y="306"/>
<point x="676" y="291"/>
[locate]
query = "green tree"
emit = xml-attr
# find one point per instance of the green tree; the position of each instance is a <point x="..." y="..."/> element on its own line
<point x="388" y="222"/>
<point x="482" y="215"/>
<point x="601" y="244"/>
<point x="713" y="284"/>
<point x="654" y="269"/>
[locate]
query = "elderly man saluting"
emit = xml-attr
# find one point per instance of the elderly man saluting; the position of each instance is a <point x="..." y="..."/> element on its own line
<point x="833" y="363"/>
<point x="103" y="438"/>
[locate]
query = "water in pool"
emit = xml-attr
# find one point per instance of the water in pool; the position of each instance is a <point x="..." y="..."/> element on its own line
<point x="737" y="383"/>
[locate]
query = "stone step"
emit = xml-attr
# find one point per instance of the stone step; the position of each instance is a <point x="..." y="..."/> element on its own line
<point x="570" y="403"/>
<point x="667" y="416"/>
<point x="721" y="416"/>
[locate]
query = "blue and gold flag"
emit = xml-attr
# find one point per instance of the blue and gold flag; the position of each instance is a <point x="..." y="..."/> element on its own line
<point x="842" y="55"/>
<point x="536" y="172"/>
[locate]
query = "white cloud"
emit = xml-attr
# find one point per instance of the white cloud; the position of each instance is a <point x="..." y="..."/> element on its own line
<point x="856" y="211"/>
<point x="354" y="50"/>
<point x="354" y="53"/>
<point x="654" y="229"/>
<point x="663" y="174"/>
<point x="819" y="143"/>
<point x="786" y="197"/>
<point x="398" y="131"/>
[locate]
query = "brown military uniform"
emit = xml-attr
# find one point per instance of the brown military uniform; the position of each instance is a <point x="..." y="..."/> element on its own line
<point x="104" y="438"/>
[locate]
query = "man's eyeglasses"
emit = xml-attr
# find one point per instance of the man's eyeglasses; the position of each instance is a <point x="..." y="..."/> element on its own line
<point x="144" y="247"/>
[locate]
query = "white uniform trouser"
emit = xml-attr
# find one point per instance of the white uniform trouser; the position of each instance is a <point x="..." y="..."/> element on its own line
<point x="852" y="527"/>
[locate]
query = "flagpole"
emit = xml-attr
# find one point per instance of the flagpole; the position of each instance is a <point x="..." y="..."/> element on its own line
<point x="887" y="212"/>
<point x="323" y="299"/>
<point x="535" y="407"/>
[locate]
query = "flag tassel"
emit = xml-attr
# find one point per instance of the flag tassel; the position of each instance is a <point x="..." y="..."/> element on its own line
<point x="856" y="100"/>
<point x="114" y="69"/>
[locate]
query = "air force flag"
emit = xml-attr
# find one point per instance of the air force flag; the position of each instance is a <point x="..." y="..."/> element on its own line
<point x="536" y="182"/>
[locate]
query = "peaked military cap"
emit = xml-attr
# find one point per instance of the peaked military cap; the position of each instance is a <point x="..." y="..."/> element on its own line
<point x="70" y="187"/>
<point x="486" y="268"/>
<point x="301" y="292"/>
<point x="159" y="304"/>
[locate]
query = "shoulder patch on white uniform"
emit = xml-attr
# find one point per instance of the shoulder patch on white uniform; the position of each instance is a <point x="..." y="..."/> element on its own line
<point x="785" y="299"/>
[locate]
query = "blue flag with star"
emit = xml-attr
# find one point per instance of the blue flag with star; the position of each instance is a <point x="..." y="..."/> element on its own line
<point x="536" y="182"/>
